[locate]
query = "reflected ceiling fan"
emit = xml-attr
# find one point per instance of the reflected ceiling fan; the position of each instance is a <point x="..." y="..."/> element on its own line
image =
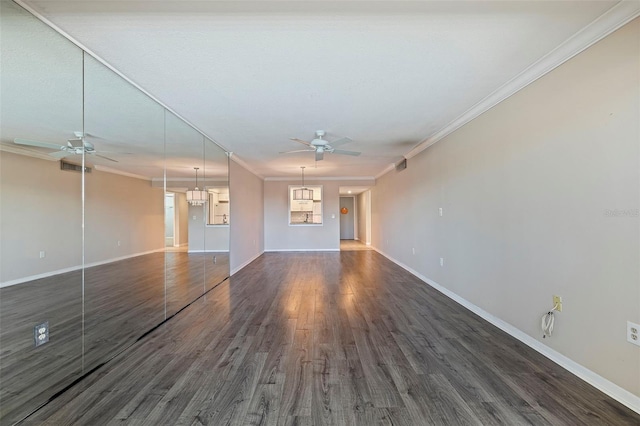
<point x="75" y="146"/>
<point x="320" y="146"/>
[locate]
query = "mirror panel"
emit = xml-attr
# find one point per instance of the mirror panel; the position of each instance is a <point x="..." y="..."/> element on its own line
<point x="184" y="276"/>
<point x="40" y="214"/>
<point x="124" y="213"/>
<point x="218" y="214"/>
<point x="84" y="241"/>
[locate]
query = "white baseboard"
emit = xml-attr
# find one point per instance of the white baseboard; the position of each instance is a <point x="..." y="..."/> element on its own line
<point x="292" y="250"/>
<point x="74" y="268"/>
<point x="207" y="251"/>
<point x="236" y="270"/>
<point x="597" y="381"/>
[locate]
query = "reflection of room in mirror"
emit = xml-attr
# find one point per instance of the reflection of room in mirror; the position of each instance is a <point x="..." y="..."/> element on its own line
<point x="218" y="206"/>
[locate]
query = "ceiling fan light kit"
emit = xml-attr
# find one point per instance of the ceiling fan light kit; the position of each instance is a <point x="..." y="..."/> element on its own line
<point x="196" y="197"/>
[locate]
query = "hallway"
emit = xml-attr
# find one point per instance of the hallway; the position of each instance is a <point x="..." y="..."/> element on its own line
<point x="330" y="338"/>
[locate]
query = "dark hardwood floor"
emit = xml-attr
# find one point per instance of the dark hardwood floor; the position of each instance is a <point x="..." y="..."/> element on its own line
<point x="343" y="338"/>
<point x="122" y="301"/>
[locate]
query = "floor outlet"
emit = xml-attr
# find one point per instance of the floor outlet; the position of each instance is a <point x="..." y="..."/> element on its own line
<point x="633" y="333"/>
<point x="41" y="333"/>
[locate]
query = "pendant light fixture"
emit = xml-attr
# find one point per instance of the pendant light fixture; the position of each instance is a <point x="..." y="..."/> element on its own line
<point x="302" y="193"/>
<point x="197" y="197"/>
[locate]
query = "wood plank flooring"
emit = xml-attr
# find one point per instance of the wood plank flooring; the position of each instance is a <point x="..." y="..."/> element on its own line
<point x="343" y="338"/>
<point x="122" y="301"/>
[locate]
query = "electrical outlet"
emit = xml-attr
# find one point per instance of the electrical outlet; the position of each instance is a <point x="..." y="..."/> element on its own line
<point x="633" y="333"/>
<point x="43" y="254"/>
<point x="41" y="333"/>
<point x="442" y="261"/>
<point x="119" y="243"/>
<point x="440" y="211"/>
<point x="413" y="250"/>
<point x="557" y="302"/>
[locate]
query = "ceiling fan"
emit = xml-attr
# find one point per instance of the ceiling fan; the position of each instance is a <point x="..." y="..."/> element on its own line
<point x="320" y="146"/>
<point x="75" y="146"/>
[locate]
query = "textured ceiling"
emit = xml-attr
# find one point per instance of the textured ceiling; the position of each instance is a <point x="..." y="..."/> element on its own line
<point x="251" y="75"/>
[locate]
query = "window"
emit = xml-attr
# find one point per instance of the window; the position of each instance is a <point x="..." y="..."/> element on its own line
<point x="305" y="205"/>
<point x="218" y="206"/>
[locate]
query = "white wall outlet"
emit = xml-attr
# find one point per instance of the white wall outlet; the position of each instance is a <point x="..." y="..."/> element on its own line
<point x="442" y="261"/>
<point x="557" y="303"/>
<point x="195" y="217"/>
<point x="440" y="211"/>
<point x="633" y="333"/>
<point x="413" y="250"/>
<point x="41" y="333"/>
<point x="43" y="254"/>
<point x="119" y="243"/>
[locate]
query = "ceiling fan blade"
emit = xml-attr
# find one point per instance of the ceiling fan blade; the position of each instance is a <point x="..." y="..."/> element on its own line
<point x="343" y="152"/>
<point x="61" y="154"/>
<point x="319" y="155"/>
<point x="301" y="141"/>
<point x="340" y="141"/>
<point x="106" y="158"/>
<point x="39" y="144"/>
<point x="296" y="150"/>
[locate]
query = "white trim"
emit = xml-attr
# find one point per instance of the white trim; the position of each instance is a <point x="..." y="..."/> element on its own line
<point x="614" y="391"/>
<point x="392" y="166"/>
<point x="207" y="251"/>
<point x="236" y="270"/>
<point x="605" y="24"/>
<point x="239" y="161"/>
<point x="27" y="152"/>
<point x="292" y="250"/>
<point x="317" y="178"/>
<point x="106" y="169"/>
<point x="75" y="268"/>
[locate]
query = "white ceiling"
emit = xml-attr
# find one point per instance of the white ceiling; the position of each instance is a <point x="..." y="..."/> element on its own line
<point x="390" y="74"/>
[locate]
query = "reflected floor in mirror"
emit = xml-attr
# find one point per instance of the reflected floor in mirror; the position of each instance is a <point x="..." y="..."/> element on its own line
<point x="344" y="338"/>
<point x="123" y="300"/>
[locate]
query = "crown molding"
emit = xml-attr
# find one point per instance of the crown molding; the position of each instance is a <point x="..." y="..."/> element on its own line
<point x="385" y="171"/>
<point x="239" y="161"/>
<point x="605" y="24"/>
<point x="370" y="179"/>
<point x="106" y="169"/>
<point x="27" y="152"/>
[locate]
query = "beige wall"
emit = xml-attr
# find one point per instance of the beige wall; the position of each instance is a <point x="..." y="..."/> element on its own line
<point x="206" y="238"/>
<point x="247" y="214"/>
<point x="182" y="210"/>
<point x="526" y="189"/>
<point x="364" y="227"/>
<point x="42" y="211"/>
<point x="280" y="236"/>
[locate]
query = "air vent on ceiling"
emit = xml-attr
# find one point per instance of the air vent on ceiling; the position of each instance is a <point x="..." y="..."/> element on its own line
<point x="401" y="165"/>
<point x="73" y="167"/>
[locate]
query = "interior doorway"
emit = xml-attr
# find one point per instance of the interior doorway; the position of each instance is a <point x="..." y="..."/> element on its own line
<point x="169" y="220"/>
<point x="347" y="218"/>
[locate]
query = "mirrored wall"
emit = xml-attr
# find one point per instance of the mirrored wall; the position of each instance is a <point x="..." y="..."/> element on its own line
<point x="105" y="232"/>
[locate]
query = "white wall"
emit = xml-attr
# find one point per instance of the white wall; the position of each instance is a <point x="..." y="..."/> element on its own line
<point x="525" y="189"/>
<point x="42" y="211"/>
<point x="247" y="215"/>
